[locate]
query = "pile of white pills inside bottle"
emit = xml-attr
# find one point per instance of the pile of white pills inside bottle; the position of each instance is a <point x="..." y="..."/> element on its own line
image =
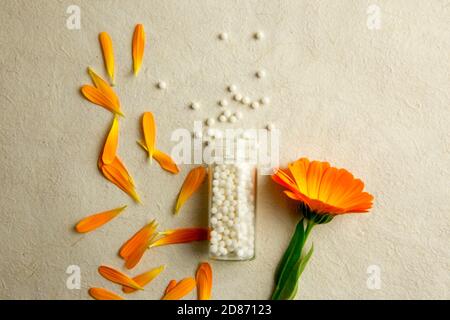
<point x="232" y="207"/>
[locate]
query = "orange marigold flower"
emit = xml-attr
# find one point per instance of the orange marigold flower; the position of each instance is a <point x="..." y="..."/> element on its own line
<point x="322" y="188"/>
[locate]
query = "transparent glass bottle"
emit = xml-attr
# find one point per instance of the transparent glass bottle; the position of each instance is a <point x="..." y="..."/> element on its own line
<point x="232" y="208"/>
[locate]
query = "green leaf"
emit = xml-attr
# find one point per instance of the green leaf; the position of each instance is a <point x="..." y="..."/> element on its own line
<point x="290" y="287"/>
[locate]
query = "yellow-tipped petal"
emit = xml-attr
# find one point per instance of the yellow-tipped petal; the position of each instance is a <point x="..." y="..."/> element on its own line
<point x="110" y="148"/>
<point x="164" y="160"/>
<point x="180" y="290"/>
<point x="118" y="277"/>
<point x="144" y="278"/>
<point x="103" y="86"/>
<point x="103" y="294"/>
<point x="138" y="47"/>
<point x="170" y="286"/>
<point x="108" y="54"/>
<point x="101" y="99"/>
<point x="204" y="281"/>
<point x="118" y="174"/>
<point x="134" y="249"/>
<point x="193" y="181"/>
<point x="182" y="235"/>
<point x="97" y="220"/>
<point x="149" y="129"/>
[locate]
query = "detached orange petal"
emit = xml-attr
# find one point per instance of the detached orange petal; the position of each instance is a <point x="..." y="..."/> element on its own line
<point x="182" y="235"/>
<point x="118" y="277"/>
<point x="98" y="97"/>
<point x="204" y="281"/>
<point x="103" y="294"/>
<point x="193" y="181"/>
<point x="110" y="148"/>
<point x="149" y="129"/>
<point x="108" y="53"/>
<point x="97" y="220"/>
<point x="103" y="86"/>
<point x="138" y="47"/>
<point x="170" y="286"/>
<point x="118" y="174"/>
<point x="138" y="239"/>
<point x="144" y="278"/>
<point x="164" y="160"/>
<point x="180" y="290"/>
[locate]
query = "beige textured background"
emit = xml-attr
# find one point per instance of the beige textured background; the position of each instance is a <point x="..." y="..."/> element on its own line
<point x="375" y="102"/>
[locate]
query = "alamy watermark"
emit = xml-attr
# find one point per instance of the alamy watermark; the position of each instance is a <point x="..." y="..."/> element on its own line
<point x="73" y="21"/>
<point x="374" y="279"/>
<point x="257" y="146"/>
<point x="73" y="281"/>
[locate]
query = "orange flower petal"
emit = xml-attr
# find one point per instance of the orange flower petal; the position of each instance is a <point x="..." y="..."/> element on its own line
<point x="108" y="53"/>
<point x="193" y="181"/>
<point x="180" y="290"/>
<point x="118" y="277"/>
<point x="204" y="281"/>
<point x="138" y="47"/>
<point x="139" y="240"/>
<point x="326" y="190"/>
<point x="164" y="160"/>
<point x="117" y="174"/>
<point x="110" y="148"/>
<point x="149" y="129"/>
<point x="97" y="220"/>
<point x="144" y="278"/>
<point x="103" y="294"/>
<point x="182" y="235"/>
<point x="103" y="86"/>
<point x="98" y="97"/>
<point x="170" y="286"/>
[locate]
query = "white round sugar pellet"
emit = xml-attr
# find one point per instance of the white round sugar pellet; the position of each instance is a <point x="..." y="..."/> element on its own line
<point x="233" y="119"/>
<point x="232" y="88"/>
<point x="223" y="103"/>
<point x="213" y="234"/>
<point x="238" y="115"/>
<point x="222" y="118"/>
<point x="270" y="126"/>
<point x="227" y="113"/>
<point x="214" y="210"/>
<point x="260" y="74"/>
<point x="162" y="85"/>
<point x="255" y="105"/>
<point x="195" y="105"/>
<point x="241" y="253"/>
<point x="237" y="97"/>
<point x="213" y="248"/>
<point x="220" y="229"/>
<point x="259" y="35"/>
<point x="246" y="100"/>
<point x="210" y="122"/>
<point x="265" y="100"/>
<point x="214" y="220"/>
<point x="223" y="36"/>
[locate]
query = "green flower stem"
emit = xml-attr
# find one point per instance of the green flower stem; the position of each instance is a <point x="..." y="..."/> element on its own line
<point x="293" y="262"/>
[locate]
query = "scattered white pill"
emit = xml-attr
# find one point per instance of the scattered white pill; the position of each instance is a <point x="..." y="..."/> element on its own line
<point x="232" y="88"/>
<point x="265" y="100"/>
<point x="222" y="118"/>
<point x="227" y="113"/>
<point x="255" y="105"/>
<point x="162" y="85"/>
<point x="223" y="36"/>
<point x="260" y="74"/>
<point x="237" y="97"/>
<point x="223" y="103"/>
<point x="195" y="105"/>
<point x="210" y="122"/>
<point x="246" y="100"/>
<point x="238" y="115"/>
<point x="259" y="35"/>
<point x="233" y="119"/>
<point x="270" y="126"/>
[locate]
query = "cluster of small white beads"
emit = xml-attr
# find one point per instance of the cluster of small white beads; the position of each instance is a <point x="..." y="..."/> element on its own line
<point x="246" y="100"/>
<point x="232" y="212"/>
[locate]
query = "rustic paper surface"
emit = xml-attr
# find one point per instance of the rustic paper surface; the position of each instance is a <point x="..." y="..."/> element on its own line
<point x="376" y="102"/>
